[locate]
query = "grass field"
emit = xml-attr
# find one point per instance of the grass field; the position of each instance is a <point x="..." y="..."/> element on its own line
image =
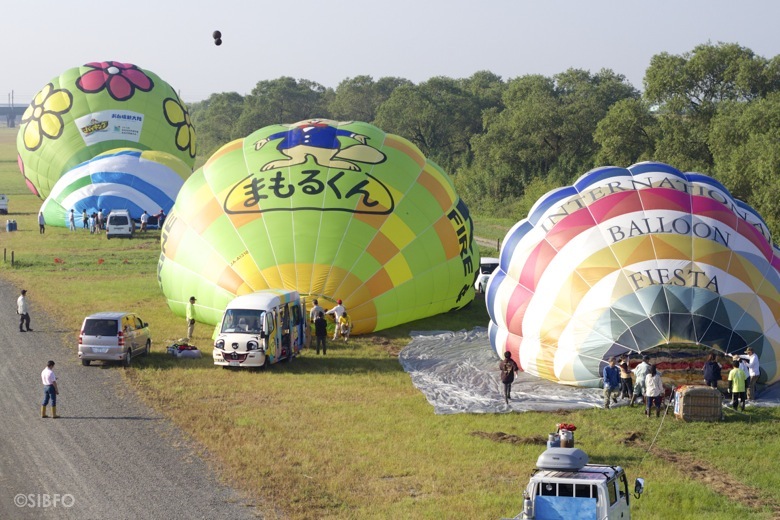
<point x="349" y="436"/>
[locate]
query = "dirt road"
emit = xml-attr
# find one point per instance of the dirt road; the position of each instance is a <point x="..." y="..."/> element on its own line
<point x="109" y="456"/>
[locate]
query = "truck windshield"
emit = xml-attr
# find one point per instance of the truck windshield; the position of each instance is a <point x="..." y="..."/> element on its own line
<point x="247" y="321"/>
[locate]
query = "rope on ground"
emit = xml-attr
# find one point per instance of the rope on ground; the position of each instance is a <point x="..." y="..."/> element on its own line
<point x="658" y="431"/>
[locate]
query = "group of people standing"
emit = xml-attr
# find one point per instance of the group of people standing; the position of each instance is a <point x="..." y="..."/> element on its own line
<point x="742" y="377"/>
<point x="618" y="382"/>
<point x="343" y="326"/>
<point x="96" y="222"/>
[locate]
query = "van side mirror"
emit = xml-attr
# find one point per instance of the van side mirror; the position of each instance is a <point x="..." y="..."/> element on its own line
<point x="639" y="487"/>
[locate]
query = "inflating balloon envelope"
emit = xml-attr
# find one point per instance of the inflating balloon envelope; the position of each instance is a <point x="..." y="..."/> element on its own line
<point x="124" y="178"/>
<point x="334" y="210"/>
<point x="627" y="260"/>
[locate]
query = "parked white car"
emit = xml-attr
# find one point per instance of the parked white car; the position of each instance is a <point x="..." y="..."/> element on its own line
<point x="119" y="224"/>
<point x="486" y="268"/>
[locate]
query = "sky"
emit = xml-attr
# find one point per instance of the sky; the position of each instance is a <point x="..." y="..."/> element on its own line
<point x="330" y="41"/>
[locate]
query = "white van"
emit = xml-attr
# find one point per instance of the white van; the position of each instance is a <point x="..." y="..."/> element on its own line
<point x="119" y="224"/>
<point x="261" y="328"/>
<point x="486" y="267"/>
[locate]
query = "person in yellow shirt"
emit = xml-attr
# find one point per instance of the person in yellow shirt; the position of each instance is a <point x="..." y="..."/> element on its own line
<point x="737" y="387"/>
<point x="345" y="326"/>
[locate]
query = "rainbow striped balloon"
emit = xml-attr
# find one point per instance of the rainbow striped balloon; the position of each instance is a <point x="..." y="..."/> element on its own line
<point x="334" y="210"/>
<point x="626" y="260"/>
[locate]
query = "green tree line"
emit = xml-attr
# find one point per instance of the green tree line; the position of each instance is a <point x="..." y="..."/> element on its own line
<point x="713" y="110"/>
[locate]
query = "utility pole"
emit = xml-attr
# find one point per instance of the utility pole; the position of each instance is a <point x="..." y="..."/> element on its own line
<point x="12" y="115"/>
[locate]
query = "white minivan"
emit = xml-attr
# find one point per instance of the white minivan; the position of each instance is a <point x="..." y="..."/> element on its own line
<point x="119" y="224"/>
<point x="261" y="328"/>
<point x="486" y="267"/>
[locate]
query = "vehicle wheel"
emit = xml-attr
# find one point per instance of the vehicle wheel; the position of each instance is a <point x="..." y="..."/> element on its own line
<point x="266" y="363"/>
<point x="108" y="237"/>
<point x="128" y="355"/>
<point x="85" y="362"/>
<point x="148" y="348"/>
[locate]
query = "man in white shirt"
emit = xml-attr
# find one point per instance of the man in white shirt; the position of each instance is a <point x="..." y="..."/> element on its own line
<point x="336" y="312"/>
<point x="144" y="220"/>
<point x="753" y="372"/>
<point x="640" y="371"/>
<point x="23" y="310"/>
<point x="50" y="390"/>
<point x="72" y="220"/>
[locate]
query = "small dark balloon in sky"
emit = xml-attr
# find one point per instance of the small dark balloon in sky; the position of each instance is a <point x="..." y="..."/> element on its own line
<point x="217" y="35"/>
<point x="218" y="41"/>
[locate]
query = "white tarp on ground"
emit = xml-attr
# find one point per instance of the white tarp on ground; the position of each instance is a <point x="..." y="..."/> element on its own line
<point x="458" y="373"/>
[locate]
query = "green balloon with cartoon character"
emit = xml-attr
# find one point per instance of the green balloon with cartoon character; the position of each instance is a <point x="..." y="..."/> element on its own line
<point x="98" y="107"/>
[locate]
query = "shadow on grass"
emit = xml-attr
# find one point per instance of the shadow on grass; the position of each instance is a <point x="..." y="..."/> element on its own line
<point x="116" y="418"/>
<point x="308" y="363"/>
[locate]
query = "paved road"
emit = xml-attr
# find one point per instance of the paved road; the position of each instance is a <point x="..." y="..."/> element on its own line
<point x="109" y="456"/>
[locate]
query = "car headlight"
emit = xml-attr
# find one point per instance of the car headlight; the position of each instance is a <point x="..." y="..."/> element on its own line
<point x="251" y="345"/>
<point x="220" y="344"/>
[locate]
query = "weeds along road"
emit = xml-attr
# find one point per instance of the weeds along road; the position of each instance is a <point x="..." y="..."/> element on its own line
<point x="108" y="456"/>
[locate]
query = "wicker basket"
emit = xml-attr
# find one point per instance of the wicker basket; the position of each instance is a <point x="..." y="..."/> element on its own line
<point x="698" y="403"/>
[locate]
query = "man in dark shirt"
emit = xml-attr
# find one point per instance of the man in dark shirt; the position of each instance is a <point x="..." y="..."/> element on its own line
<point x="611" y="377"/>
<point x="508" y="368"/>
<point x="321" y="332"/>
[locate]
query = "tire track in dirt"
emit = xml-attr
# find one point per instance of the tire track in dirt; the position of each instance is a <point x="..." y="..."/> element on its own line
<point x="713" y="478"/>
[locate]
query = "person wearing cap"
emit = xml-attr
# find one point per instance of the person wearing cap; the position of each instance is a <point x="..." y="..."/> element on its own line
<point x="712" y="372"/>
<point x="508" y="368"/>
<point x="737" y="386"/>
<point x="640" y="371"/>
<point x="191" y="317"/>
<point x="753" y="372"/>
<point x="336" y="312"/>
<point x="23" y="310"/>
<point x="611" y="377"/>
<point x="50" y="390"/>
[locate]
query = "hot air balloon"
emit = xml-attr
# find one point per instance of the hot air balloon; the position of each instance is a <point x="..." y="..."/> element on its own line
<point x="95" y="108"/>
<point x="124" y="178"/>
<point x="629" y="260"/>
<point x="334" y="210"/>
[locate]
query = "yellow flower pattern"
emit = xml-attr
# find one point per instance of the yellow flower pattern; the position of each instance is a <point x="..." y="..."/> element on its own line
<point x="178" y="116"/>
<point x="43" y="118"/>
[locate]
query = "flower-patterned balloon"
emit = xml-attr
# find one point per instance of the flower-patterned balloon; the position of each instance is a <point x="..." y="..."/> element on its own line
<point x="630" y="259"/>
<point x="334" y="210"/>
<point x="98" y="107"/>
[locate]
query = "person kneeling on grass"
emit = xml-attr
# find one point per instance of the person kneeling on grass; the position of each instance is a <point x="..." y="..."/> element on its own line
<point x="345" y="326"/>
